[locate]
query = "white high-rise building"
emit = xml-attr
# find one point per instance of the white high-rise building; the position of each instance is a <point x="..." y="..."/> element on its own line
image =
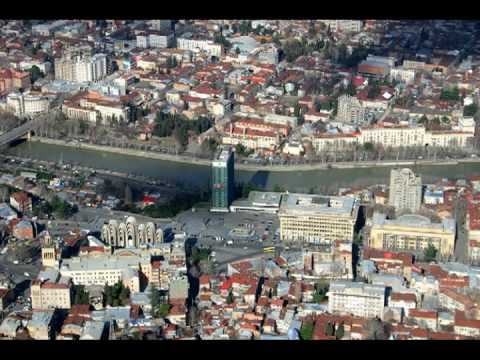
<point x="80" y="68"/>
<point x="405" y="190"/>
<point x="350" y="110"/>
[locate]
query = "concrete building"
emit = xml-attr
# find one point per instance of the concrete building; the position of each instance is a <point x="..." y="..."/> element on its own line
<point x="130" y="234"/>
<point x="207" y="46"/>
<point x="401" y="74"/>
<point x="359" y="299"/>
<point x="51" y="291"/>
<point x="81" y="68"/>
<point x="405" y="190"/>
<point x="27" y="104"/>
<point x="344" y="25"/>
<point x="350" y="110"/>
<point x="317" y="219"/>
<point x="258" y="201"/>
<point x="412" y="233"/>
<point x="124" y="266"/>
<point x="21" y="202"/>
<point x="223" y="182"/>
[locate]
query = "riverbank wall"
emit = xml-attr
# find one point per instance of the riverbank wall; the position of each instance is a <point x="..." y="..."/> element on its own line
<point x="252" y="167"/>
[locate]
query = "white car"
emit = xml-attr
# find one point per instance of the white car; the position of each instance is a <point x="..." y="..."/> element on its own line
<point x="15" y="262"/>
<point x="26" y="274"/>
<point x="245" y="248"/>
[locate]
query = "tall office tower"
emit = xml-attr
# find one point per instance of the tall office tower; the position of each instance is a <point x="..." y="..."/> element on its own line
<point x="223" y="182"/>
<point x="405" y="190"/>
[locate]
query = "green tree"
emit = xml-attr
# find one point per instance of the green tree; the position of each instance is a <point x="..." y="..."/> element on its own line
<point x="369" y="147"/>
<point x="470" y="110"/>
<point x="230" y="298"/>
<point x="35" y="73"/>
<point x="80" y="295"/>
<point x="329" y="329"/>
<point x="306" y="331"/>
<point x="430" y="253"/>
<point x="320" y="294"/>
<point x="163" y="310"/>
<point x="340" y="331"/>
<point x="237" y="51"/>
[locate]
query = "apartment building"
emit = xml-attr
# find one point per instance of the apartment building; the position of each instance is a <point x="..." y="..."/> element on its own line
<point x="350" y="110"/>
<point x="51" y="290"/>
<point x="344" y="25"/>
<point x="412" y="233"/>
<point x="207" y="46"/>
<point x="358" y="299"/>
<point x="334" y="142"/>
<point x="21" y="202"/>
<point x="155" y="39"/>
<point x="403" y="75"/>
<point x="405" y="192"/>
<point x="13" y="80"/>
<point x="81" y="68"/>
<point x="393" y="136"/>
<point x="454" y="300"/>
<point x="317" y="219"/>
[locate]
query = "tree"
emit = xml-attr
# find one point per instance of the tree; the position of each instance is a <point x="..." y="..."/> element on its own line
<point x="237" y="51"/>
<point x="163" y="310"/>
<point x="470" y="110"/>
<point x="306" y="331"/>
<point x="128" y="195"/>
<point x="81" y="296"/>
<point x="230" y="298"/>
<point x="329" y="329"/>
<point x="373" y="91"/>
<point x="369" y="147"/>
<point x="35" y="73"/>
<point x="430" y="253"/>
<point x="340" y="331"/>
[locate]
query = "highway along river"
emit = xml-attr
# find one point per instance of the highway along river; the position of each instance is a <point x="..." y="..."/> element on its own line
<point x="324" y="180"/>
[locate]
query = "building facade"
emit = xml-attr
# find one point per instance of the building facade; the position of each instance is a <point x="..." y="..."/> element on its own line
<point x="223" y="182"/>
<point x="412" y="233"/>
<point x="405" y="190"/>
<point x="317" y="219"/>
<point x="350" y="110"/>
<point x="130" y="234"/>
<point x="81" y="68"/>
<point x="359" y="299"/>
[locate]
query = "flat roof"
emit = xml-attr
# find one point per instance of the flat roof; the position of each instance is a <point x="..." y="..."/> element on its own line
<point x="414" y="221"/>
<point x="318" y="204"/>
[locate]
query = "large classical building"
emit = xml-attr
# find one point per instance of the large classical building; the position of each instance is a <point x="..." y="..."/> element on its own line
<point x="27" y="104"/>
<point x="412" y="233"/>
<point x="130" y="234"/>
<point x="51" y="291"/>
<point x="223" y="182"/>
<point x="359" y="299"/>
<point x="405" y="190"/>
<point x="124" y="265"/>
<point x="317" y="219"/>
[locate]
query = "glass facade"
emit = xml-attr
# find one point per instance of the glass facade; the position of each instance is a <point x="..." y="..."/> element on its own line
<point x="223" y="183"/>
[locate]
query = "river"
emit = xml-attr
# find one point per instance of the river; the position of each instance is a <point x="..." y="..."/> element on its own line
<point x="199" y="175"/>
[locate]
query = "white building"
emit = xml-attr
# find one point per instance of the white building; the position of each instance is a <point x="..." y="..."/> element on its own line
<point x="208" y="46"/>
<point x="80" y="68"/>
<point x="359" y="299"/>
<point x="27" y="104"/>
<point x="350" y="110"/>
<point x="404" y="75"/>
<point x="405" y="190"/>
